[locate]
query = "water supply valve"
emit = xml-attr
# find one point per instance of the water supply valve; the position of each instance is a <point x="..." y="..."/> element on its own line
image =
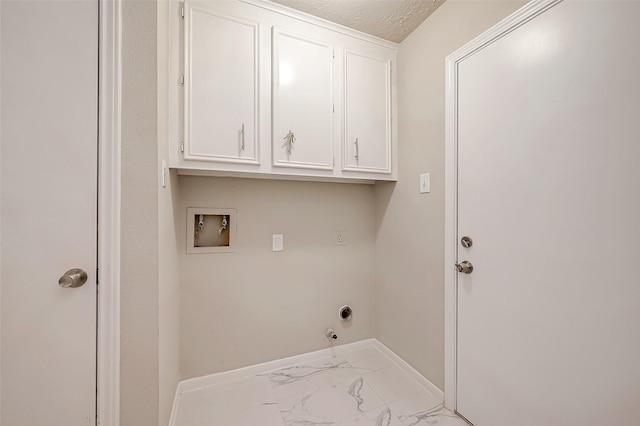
<point x="330" y="334"/>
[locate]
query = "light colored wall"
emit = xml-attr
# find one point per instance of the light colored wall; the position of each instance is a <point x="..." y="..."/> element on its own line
<point x="139" y="233"/>
<point x="409" y="286"/>
<point x="256" y="305"/>
<point x="169" y="266"/>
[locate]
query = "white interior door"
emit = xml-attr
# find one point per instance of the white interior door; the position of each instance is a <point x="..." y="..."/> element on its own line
<point x="548" y="172"/>
<point x="48" y="211"/>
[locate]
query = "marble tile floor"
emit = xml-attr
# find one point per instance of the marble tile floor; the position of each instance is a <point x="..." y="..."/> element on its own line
<point x="361" y="387"/>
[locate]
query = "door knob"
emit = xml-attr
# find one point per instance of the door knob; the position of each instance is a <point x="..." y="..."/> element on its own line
<point x="464" y="267"/>
<point x="73" y="278"/>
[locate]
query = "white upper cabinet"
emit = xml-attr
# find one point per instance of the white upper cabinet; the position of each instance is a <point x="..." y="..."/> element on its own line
<point x="220" y="87"/>
<point x="367" y="113"/>
<point x="262" y="90"/>
<point x="302" y="102"/>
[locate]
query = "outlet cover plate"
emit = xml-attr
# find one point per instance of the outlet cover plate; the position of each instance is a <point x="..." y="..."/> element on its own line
<point x="277" y="242"/>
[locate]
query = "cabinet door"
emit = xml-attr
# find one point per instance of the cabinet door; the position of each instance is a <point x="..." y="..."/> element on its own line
<point x="367" y="113"/>
<point x="302" y="102"/>
<point x="221" y="87"/>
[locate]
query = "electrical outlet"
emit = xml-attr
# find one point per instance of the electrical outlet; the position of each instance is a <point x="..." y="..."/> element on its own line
<point x="340" y="239"/>
<point x="278" y="242"/>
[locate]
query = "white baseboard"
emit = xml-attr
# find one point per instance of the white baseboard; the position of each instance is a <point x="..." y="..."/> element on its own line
<point x="174" y="409"/>
<point x="426" y="383"/>
<point x="197" y="383"/>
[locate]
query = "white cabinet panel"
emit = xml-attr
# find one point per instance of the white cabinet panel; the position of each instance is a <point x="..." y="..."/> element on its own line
<point x="367" y="113"/>
<point x="302" y="101"/>
<point x="221" y="88"/>
<point x="244" y="61"/>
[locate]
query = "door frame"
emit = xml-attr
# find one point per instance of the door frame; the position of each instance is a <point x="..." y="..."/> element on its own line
<point x="504" y="27"/>
<point x="109" y="101"/>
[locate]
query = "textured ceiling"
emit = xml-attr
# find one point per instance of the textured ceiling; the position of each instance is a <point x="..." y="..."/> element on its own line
<point x="389" y="19"/>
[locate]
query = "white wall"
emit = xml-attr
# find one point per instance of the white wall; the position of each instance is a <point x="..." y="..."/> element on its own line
<point x="139" y="227"/>
<point x="256" y="305"/>
<point x="410" y="226"/>
<point x="168" y="264"/>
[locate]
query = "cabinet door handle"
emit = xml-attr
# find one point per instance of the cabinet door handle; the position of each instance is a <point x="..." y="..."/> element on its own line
<point x="242" y="140"/>
<point x="357" y="150"/>
<point x="290" y="139"/>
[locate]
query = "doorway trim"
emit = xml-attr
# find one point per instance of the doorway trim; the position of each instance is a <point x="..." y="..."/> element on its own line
<point x="108" y="340"/>
<point x="504" y="27"/>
